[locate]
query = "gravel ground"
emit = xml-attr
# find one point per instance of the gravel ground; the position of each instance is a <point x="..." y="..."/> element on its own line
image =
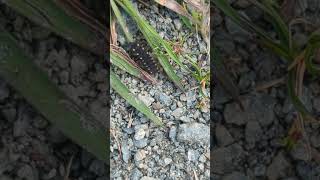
<point x="181" y="149"/>
<point x="248" y="145"/>
<point x="30" y="147"/>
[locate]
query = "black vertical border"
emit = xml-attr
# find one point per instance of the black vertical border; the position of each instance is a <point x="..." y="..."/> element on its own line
<point x="107" y="65"/>
<point x="212" y="85"/>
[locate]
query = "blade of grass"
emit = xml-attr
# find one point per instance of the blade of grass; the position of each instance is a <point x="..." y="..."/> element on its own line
<point x="122" y="60"/>
<point x="34" y="85"/>
<point x="249" y="26"/>
<point x="49" y="15"/>
<point x="294" y="98"/>
<point x="311" y="50"/>
<point x="156" y="43"/>
<point x="124" y="92"/>
<point x="176" y="7"/>
<point x="121" y="21"/>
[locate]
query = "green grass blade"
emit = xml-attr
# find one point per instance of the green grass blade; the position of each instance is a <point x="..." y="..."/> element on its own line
<point x="312" y="47"/>
<point x="297" y="103"/>
<point x="49" y="15"/>
<point x="125" y="93"/>
<point x="121" y="21"/>
<point x="275" y="18"/>
<point x="160" y="47"/>
<point x="34" y="85"/>
<point x="243" y="22"/>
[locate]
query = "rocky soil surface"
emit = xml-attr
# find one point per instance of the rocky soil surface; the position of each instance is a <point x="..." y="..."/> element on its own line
<point x="30" y="147"/>
<point x="181" y="149"/>
<point x="249" y="144"/>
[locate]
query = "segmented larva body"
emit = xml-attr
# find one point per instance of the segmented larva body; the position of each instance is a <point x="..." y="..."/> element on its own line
<point x="141" y="54"/>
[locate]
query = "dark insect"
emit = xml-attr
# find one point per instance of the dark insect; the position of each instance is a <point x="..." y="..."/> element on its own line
<point x="141" y="53"/>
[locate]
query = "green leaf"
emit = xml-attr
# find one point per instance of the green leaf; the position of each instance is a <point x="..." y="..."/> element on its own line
<point x="121" y="21"/>
<point x="125" y="93"/>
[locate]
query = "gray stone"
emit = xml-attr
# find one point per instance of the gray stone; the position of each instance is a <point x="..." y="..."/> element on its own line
<point x="165" y="99"/>
<point x="193" y="155"/>
<point x="148" y="178"/>
<point x="315" y="140"/>
<point x="146" y="99"/>
<point x="139" y="134"/>
<point x="167" y="161"/>
<point x="28" y="173"/>
<point x="126" y="153"/>
<point x="300" y="152"/>
<point x="178" y="112"/>
<point x="141" y="143"/>
<point x="253" y="132"/>
<point x="173" y="133"/>
<point x="234" y="115"/>
<point x="223" y="158"/>
<point x="223" y="136"/>
<point x="257" y="107"/>
<point x="278" y="168"/>
<point x="4" y="91"/>
<point x="9" y="114"/>
<point x="140" y="155"/>
<point x="5" y="177"/>
<point x="194" y="133"/>
<point x="78" y="65"/>
<point x="260" y="170"/>
<point x="136" y="174"/>
<point x="235" y="176"/>
<point x="20" y="127"/>
<point x="177" y="24"/>
<point x="98" y="167"/>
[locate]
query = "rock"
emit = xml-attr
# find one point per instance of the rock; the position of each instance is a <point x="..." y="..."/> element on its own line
<point x="141" y="143"/>
<point x="315" y="140"/>
<point x="236" y="31"/>
<point x="316" y="104"/>
<point x="300" y="152"/>
<point x="234" y="115"/>
<point x="278" y="168"/>
<point x="20" y="127"/>
<point x="140" y="133"/>
<point x="140" y="155"/>
<point x="222" y="158"/>
<point x="165" y="99"/>
<point x="177" y="23"/>
<point x="148" y="178"/>
<point x="5" y="177"/>
<point x="260" y="170"/>
<point x="178" y="112"/>
<point x="9" y="114"/>
<point x="305" y="171"/>
<point x="97" y="167"/>
<point x="194" y="133"/>
<point x="126" y="153"/>
<point x="78" y="65"/>
<point x="235" y="176"/>
<point x="173" y="133"/>
<point x="185" y="119"/>
<point x="86" y="157"/>
<point x="4" y="91"/>
<point x="257" y="107"/>
<point x="253" y="132"/>
<point x="167" y="161"/>
<point x="28" y="173"/>
<point x="146" y="99"/>
<point x="136" y="174"/>
<point x="223" y="136"/>
<point x="193" y="155"/>
<point x="55" y="135"/>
